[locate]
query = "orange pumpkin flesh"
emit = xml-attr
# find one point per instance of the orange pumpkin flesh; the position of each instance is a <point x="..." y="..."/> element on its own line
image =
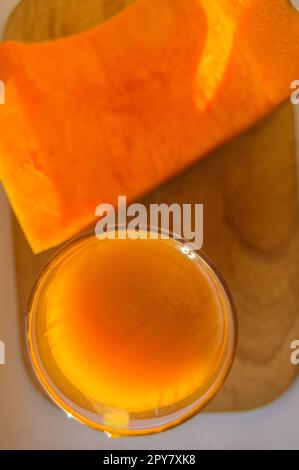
<point x="122" y="107"/>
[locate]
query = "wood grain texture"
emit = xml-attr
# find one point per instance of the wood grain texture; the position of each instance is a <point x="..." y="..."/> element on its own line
<point x="249" y="189"/>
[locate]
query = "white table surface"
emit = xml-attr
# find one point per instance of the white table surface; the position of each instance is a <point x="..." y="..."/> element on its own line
<point x="29" y="421"/>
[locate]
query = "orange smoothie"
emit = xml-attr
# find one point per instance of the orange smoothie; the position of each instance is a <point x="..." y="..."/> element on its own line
<point x="128" y="329"/>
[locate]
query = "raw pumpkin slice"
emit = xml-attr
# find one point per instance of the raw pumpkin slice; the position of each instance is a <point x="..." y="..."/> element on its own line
<point x="120" y="108"/>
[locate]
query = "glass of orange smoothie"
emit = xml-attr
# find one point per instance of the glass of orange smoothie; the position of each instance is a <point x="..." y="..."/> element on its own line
<point x="130" y="336"/>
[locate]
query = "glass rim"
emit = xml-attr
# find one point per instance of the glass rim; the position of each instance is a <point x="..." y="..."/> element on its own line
<point x="145" y="426"/>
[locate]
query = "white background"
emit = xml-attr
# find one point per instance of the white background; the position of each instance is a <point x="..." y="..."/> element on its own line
<point x="29" y="421"/>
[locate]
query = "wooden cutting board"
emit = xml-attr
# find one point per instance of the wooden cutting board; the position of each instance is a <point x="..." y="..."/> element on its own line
<point x="249" y="189"/>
